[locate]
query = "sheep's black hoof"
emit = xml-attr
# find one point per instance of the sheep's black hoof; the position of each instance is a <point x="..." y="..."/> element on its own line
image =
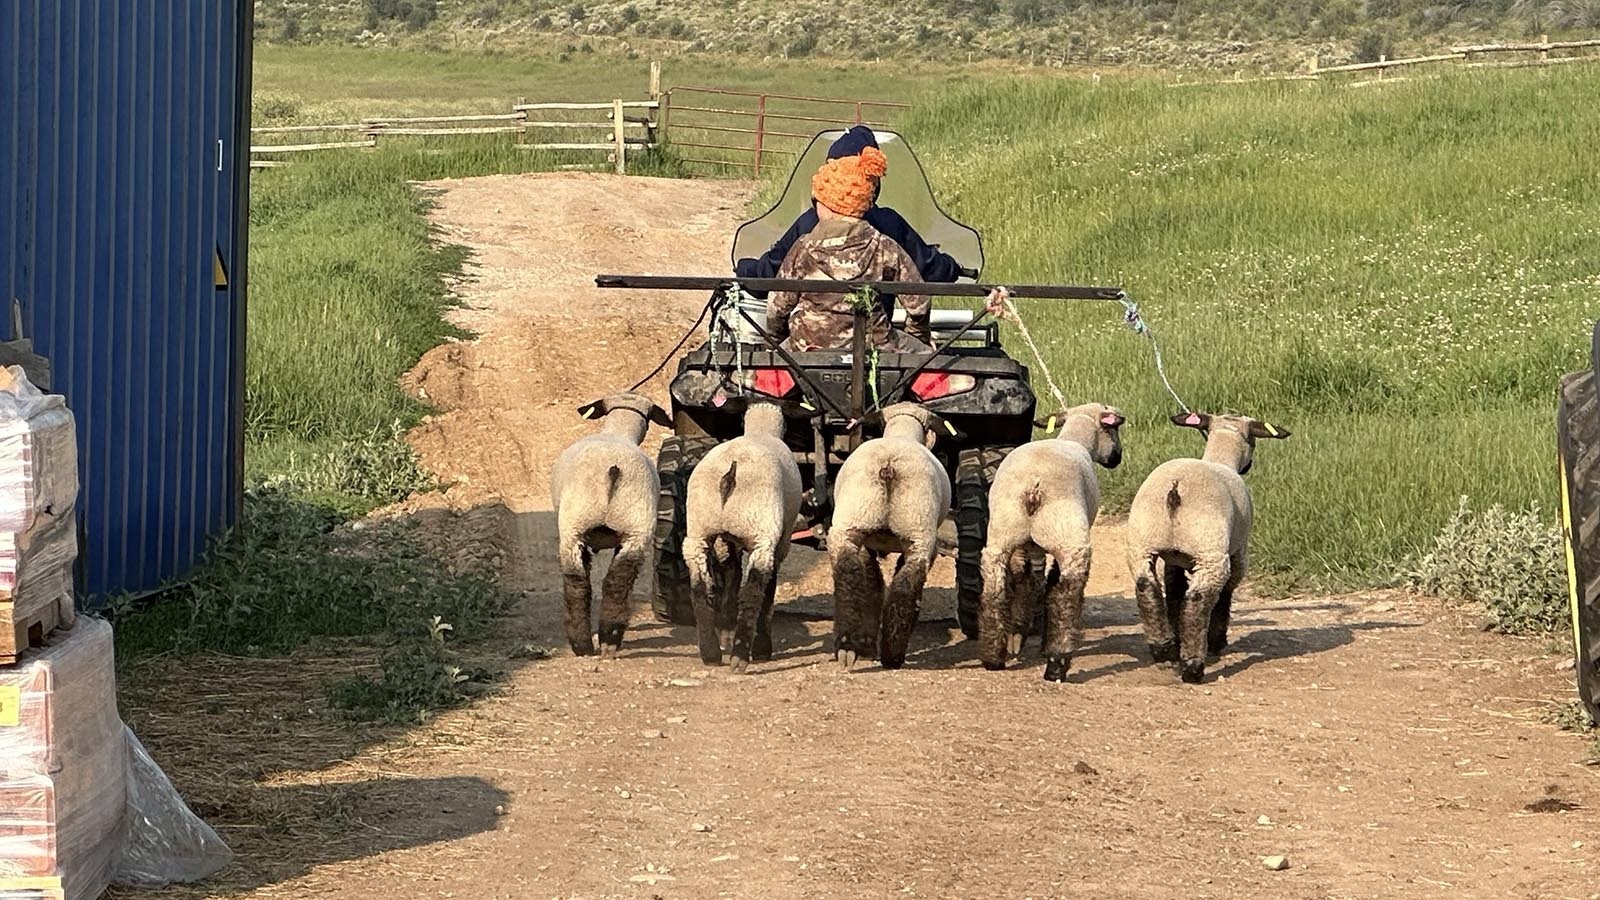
<point x="1192" y="672"/>
<point x="582" y="649"/>
<point x="611" y="634"/>
<point x="761" y="648"/>
<point x="739" y="666"/>
<point x="1164" y="652"/>
<point x="1216" y="645"/>
<point x="1056" y="666"/>
<point x="994" y="665"/>
<point x="893" y="662"/>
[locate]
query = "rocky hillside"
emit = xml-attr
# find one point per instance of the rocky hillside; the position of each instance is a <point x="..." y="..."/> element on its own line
<point x="1207" y="34"/>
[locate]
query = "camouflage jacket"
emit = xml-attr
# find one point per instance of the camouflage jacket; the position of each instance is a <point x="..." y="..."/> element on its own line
<point x="845" y="250"/>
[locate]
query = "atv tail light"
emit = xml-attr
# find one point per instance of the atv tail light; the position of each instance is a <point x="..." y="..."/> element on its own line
<point x="932" y="385"/>
<point x="772" y="382"/>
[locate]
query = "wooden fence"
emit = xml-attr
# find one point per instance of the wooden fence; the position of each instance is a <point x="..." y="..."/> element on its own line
<point x="710" y="123"/>
<point x="1469" y="56"/>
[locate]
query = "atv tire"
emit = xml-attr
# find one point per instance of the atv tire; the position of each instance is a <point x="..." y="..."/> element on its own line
<point x="975" y="470"/>
<point x="677" y="458"/>
<point x="1578" y="449"/>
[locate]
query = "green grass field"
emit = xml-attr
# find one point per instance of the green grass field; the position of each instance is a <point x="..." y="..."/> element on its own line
<point x="1396" y="273"/>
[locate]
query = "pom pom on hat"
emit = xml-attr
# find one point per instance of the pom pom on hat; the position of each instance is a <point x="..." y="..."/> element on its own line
<point x="847" y="185"/>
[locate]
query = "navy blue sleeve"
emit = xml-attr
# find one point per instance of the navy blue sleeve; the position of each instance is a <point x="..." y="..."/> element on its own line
<point x="766" y="265"/>
<point x="931" y="263"/>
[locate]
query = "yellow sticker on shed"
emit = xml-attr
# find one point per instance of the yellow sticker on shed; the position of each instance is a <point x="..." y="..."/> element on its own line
<point x="10" y="706"/>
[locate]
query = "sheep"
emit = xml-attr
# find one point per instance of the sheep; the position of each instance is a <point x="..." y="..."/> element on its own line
<point x="890" y="496"/>
<point x="741" y="505"/>
<point x="1194" y="516"/>
<point x="1043" y="502"/>
<point x="605" y="492"/>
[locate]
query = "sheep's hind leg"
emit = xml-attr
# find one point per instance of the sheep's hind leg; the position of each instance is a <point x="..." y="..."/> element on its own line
<point x="1205" y="585"/>
<point x="616" y="592"/>
<point x="761" y="647"/>
<point x="1217" y="634"/>
<point x="857" y="581"/>
<point x="1158" y="630"/>
<point x="902" y="605"/>
<point x="702" y="588"/>
<point x="579" y="596"/>
<point x="730" y="571"/>
<point x="1175" y="588"/>
<point x="1027" y="581"/>
<point x="992" y="607"/>
<point x="752" y="599"/>
<point x="1064" y="616"/>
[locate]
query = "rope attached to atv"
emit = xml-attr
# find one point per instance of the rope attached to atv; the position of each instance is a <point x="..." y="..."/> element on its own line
<point x="679" y="346"/>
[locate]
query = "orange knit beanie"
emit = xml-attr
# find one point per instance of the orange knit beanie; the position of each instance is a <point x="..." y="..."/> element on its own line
<point x="847" y="185"/>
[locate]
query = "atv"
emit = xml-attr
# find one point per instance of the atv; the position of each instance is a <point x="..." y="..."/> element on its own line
<point x="969" y="380"/>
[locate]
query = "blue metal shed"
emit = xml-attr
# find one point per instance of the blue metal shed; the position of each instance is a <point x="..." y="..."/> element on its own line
<point x="124" y="172"/>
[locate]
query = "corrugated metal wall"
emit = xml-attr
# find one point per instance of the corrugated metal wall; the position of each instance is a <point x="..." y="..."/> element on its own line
<point x="124" y="132"/>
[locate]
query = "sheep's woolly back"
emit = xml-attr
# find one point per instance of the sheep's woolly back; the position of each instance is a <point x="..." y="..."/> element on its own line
<point x="1047" y="485"/>
<point x="1198" y="509"/>
<point x="603" y="481"/>
<point x="892" y="485"/>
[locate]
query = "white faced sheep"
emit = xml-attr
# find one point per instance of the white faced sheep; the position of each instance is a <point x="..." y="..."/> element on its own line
<point x="890" y="497"/>
<point x="1194" y="515"/>
<point x="605" y="492"/>
<point x="741" y="505"/>
<point x="1042" y="503"/>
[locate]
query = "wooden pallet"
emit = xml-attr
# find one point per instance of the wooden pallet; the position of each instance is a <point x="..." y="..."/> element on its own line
<point x="23" y="888"/>
<point x="22" y="629"/>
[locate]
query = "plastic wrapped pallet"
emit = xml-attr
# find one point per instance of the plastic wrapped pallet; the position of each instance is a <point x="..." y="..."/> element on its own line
<point x="81" y="802"/>
<point x="64" y="791"/>
<point x="38" y="452"/>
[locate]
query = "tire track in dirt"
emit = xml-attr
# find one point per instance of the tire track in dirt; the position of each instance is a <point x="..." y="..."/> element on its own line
<point x="1385" y="745"/>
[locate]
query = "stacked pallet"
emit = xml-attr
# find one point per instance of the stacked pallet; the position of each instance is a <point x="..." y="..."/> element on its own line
<point x="63" y="768"/>
<point x="38" y="529"/>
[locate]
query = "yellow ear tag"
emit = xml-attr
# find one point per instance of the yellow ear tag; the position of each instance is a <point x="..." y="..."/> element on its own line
<point x="950" y="428"/>
<point x="1050" y="425"/>
<point x="1271" y="429"/>
<point x="588" y="412"/>
<point x="806" y="405"/>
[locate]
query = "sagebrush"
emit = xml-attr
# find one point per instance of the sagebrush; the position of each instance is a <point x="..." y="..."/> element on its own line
<point x="1511" y="562"/>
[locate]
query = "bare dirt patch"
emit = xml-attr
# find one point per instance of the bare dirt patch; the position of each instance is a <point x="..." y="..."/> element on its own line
<point x="1385" y="747"/>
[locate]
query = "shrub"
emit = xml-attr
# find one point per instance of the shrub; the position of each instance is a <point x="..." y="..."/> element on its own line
<point x="272" y="107"/>
<point x="1373" y="45"/>
<point x="630" y="14"/>
<point x="802" y="45"/>
<point x="577" y="13"/>
<point x="1511" y="562"/>
<point x="417" y="678"/>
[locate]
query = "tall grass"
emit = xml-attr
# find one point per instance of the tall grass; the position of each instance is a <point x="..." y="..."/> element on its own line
<point x="1396" y="274"/>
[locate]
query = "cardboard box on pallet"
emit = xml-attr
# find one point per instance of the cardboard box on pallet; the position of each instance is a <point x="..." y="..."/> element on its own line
<point x="64" y="807"/>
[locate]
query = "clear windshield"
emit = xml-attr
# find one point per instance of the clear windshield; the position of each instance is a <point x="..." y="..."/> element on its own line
<point x="905" y="190"/>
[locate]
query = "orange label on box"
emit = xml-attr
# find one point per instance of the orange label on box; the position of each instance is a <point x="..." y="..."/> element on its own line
<point x="10" y="706"/>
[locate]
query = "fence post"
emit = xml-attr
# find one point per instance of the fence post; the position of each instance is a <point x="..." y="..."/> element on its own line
<point x="619" y="133"/>
<point x="1544" y="47"/>
<point x="1311" y="67"/>
<point x="858" y="112"/>
<point x="655" y="79"/>
<point x="761" y="129"/>
<point x="1382" y="58"/>
<point x="664" y="114"/>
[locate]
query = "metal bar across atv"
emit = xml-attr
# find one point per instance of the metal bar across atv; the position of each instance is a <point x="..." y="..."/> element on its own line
<point x="825" y="286"/>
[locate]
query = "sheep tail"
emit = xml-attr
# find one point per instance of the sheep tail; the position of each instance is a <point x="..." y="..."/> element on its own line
<point x="1174" y="500"/>
<point x="613" y="475"/>
<point x="1032" y="499"/>
<point x="729" y="480"/>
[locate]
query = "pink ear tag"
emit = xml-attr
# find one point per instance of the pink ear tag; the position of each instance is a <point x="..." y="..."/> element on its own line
<point x="1109" y="419"/>
<point x="1192" y="420"/>
<point x="719" y="399"/>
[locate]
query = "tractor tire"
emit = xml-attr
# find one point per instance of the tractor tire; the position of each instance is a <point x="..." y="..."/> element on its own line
<point x="975" y="470"/>
<point x="1578" y="450"/>
<point x="677" y="458"/>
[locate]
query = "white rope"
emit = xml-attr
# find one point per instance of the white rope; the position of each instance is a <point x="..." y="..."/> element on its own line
<point x="1130" y="318"/>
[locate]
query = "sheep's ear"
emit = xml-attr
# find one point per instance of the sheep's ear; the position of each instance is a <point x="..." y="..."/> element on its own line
<point x="1192" y="420"/>
<point x="1111" y="417"/>
<point x="595" y="409"/>
<point x="660" y="416"/>
<point x="1267" y="430"/>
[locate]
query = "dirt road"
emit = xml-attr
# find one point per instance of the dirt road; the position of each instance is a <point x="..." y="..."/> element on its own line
<point x="1385" y="747"/>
